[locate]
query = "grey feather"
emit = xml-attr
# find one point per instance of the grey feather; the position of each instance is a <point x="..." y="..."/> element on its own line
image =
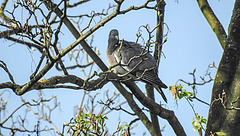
<point x="133" y="60"/>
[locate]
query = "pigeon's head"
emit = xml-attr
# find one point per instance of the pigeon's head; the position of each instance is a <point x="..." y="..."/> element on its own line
<point x="113" y="37"/>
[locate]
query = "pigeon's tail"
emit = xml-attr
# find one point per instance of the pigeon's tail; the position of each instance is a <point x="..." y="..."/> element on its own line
<point x="158" y="88"/>
<point x="152" y="78"/>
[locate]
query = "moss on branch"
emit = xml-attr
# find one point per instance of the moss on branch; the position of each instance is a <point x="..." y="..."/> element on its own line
<point x="213" y="21"/>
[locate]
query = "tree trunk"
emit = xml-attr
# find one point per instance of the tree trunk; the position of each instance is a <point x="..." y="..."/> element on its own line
<point x="157" y="53"/>
<point x="222" y="117"/>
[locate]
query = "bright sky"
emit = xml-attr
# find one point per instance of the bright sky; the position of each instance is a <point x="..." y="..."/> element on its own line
<point x="190" y="44"/>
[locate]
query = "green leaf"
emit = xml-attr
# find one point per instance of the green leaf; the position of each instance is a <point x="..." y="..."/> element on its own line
<point x="170" y="88"/>
<point x="180" y="87"/>
<point x="127" y="125"/>
<point x="120" y="127"/>
<point x="98" y="118"/>
<point x="87" y="122"/>
<point x="189" y="93"/>
<point x="221" y="133"/>
<point x="82" y="114"/>
<point x="180" y="95"/>
<point x="89" y="115"/>
<point x="105" y="117"/>
<point x="76" y="133"/>
<point x="198" y="117"/>
<point x="204" y="121"/>
<point x="82" y="121"/>
<point x="195" y="125"/>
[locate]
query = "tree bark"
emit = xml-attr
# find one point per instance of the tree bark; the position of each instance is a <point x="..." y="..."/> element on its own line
<point x="157" y="54"/>
<point x="226" y="89"/>
<point x="157" y="109"/>
<point x="103" y="67"/>
<point x="213" y="21"/>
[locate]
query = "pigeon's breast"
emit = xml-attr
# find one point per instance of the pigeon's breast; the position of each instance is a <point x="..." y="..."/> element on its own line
<point x="114" y="62"/>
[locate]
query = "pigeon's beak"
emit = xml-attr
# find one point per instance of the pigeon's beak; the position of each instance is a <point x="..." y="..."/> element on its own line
<point x="116" y="37"/>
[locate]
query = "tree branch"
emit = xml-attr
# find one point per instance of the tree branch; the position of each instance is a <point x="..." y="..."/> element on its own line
<point x="30" y="45"/>
<point x="4" y="17"/>
<point x="213" y="21"/>
<point x="157" y="109"/>
<point x="57" y="81"/>
<point x="98" y="61"/>
<point x="34" y="83"/>
<point x="173" y="121"/>
<point x="227" y="82"/>
<point x="158" y="48"/>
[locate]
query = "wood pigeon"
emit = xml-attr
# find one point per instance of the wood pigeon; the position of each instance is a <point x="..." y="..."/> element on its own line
<point x="131" y="60"/>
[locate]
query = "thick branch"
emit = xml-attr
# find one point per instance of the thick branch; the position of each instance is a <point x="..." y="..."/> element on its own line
<point x="154" y="117"/>
<point x="99" y="62"/>
<point x="58" y="81"/>
<point x="213" y="22"/>
<point x="227" y="82"/>
<point x="159" y="32"/>
<point x="7" y="33"/>
<point x="134" y="106"/>
<point x="157" y="52"/>
<point x="157" y="109"/>
<point x="80" y="40"/>
<point x="169" y="115"/>
<point x="34" y="83"/>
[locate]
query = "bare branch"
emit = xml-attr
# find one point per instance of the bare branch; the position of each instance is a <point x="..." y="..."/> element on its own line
<point x="223" y="100"/>
<point x="4" y="17"/>
<point x="30" y="45"/>
<point x="19" y="124"/>
<point x="56" y="81"/>
<point x="77" y="3"/>
<point x="213" y="22"/>
<point x="4" y="66"/>
<point x="157" y="109"/>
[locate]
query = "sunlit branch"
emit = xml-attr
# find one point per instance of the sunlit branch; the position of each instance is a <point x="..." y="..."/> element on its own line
<point x="157" y="109"/>
<point x="213" y="21"/>
<point x="4" y="17"/>
<point x="77" y="3"/>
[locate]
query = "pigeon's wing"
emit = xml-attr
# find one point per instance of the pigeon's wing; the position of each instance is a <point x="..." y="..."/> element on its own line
<point x="135" y="57"/>
<point x="141" y="64"/>
<point x="118" y="59"/>
<point x="150" y="77"/>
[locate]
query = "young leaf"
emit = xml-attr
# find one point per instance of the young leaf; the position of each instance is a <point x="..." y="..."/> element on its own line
<point x="221" y="133"/>
<point x="195" y="125"/>
<point x="120" y="127"/>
